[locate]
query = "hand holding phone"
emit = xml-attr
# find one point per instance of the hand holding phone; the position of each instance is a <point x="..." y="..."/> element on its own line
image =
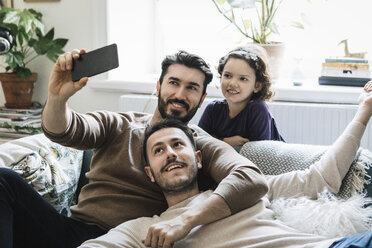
<point x="95" y="62"/>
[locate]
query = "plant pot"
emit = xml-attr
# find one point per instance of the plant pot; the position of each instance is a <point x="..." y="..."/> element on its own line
<point x="17" y="92"/>
<point x="275" y="50"/>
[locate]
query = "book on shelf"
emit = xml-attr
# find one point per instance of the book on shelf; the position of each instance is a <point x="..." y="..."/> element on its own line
<point x="346" y="66"/>
<point x="346" y="60"/>
<point x="343" y="81"/>
<point x="335" y="72"/>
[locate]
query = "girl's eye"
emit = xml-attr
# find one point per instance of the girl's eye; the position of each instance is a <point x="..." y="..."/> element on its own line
<point x="227" y="75"/>
<point x="244" y="79"/>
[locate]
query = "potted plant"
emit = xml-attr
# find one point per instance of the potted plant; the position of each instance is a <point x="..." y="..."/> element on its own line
<point x="30" y="42"/>
<point x="257" y="26"/>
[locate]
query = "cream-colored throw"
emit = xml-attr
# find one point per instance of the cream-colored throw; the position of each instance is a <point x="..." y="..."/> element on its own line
<point x="327" y="215"/>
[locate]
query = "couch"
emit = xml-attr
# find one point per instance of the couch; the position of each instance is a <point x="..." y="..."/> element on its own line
<point x="58" y="173"/>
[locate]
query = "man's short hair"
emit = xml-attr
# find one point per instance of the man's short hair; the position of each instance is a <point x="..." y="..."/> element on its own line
<point x="189" y="60"/>
<point x="166" y="123"/>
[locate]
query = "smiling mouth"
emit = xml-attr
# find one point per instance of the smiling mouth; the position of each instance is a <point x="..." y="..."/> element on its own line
<point x="173" y="165"/>
<point x="177" y="166"/>
<point x="178" y="105"/>
<point x="234" y="92"/>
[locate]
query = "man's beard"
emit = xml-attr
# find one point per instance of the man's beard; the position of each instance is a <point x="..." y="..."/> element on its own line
<point x="181" y="185"/>
<point x="162" y="107"/>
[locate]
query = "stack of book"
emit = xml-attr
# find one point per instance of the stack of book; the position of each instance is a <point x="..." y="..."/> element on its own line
<point x="16" y="123"/>
<point x="345" y="71"/>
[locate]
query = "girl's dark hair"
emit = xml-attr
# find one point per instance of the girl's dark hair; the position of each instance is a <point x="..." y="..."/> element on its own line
<point x="189" y="60"/>
<point x="166" y="123"/>
<point x="257" y="58"/>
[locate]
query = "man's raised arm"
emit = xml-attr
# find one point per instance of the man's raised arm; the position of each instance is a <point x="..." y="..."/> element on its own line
<point x="56" y="115"/>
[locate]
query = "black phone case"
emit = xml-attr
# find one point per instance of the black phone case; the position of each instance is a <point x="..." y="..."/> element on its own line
<point x="95" y="62"/>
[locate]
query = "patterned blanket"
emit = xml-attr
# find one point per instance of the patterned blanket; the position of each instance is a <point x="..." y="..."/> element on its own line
<point x="51" y="169"/>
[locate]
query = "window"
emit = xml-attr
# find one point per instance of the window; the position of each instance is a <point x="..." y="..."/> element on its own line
<point x="147" y="30"/>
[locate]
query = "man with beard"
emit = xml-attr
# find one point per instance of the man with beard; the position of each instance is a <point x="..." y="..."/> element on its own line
<point x="172" y="163"/>
<point x="118" y="188"/>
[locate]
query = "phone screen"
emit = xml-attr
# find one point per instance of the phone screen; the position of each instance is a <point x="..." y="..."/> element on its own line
<point x="95" y="62"/>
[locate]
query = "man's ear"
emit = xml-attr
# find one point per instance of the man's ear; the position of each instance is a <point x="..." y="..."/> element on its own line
<point x="157" y="88"/>
<point x="257" y="87"/>
<point x="202" y="99"/>
<point x="149" y="173"/>
<point x="198" y="156"/>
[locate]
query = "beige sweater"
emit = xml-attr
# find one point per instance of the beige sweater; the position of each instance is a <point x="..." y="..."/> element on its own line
<point x="255" y="226"/>
<point x="119" y="190"/>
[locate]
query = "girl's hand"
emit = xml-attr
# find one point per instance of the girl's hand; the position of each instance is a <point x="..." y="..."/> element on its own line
<point x="366" y="96"/>
<point x="235" y="140"/>
<point x="60" y="82"/>
<point x="364" y="112"/>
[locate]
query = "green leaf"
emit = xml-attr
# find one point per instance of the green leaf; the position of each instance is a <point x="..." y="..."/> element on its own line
<point x="14" y="59"/>
<point x="247" y="23"/>
<point x="31" y="42"/>
<point x="56" y="49"/>
<point x="22" y="36"/>
<point x="221" y="1"/>
<point x="12" y="16"/>
<point x="36" y="14"/>
<point x="11" y="26"/>
<point x="50" y="34"/>
<point x="60" y="42"/>
<point x="24" y="73"/>
<point x="30" y="22"/>
<point x="298" y="25"/>
<point x="41" y="46"/>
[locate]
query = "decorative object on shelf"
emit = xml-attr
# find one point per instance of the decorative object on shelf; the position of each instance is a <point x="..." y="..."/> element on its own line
<point x="260" y="29"/>
<point x="349" y="54"/>
<point x="30" y="42"/>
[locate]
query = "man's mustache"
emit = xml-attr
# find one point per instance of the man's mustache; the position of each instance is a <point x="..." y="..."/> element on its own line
<point x="174" y="160"/>
<point x="180" y="102"/>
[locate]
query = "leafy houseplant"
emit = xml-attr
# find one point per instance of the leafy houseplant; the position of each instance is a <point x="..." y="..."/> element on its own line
<point x="30" y="42"/>
<point x="258" y="30"/>
<point x="258" y="26"/>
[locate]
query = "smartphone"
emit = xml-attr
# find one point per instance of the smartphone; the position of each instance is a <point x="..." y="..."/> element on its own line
<point x="95" y="62"/>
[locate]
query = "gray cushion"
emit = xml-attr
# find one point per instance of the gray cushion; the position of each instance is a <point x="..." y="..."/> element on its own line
<point x="276" y="157"/>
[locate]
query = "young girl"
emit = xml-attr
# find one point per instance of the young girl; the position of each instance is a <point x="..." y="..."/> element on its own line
<point x="243" y="115"/>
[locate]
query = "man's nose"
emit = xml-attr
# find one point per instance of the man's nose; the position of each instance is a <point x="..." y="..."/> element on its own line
<point x="180" y="93"/>
<point x="171" y="153"/>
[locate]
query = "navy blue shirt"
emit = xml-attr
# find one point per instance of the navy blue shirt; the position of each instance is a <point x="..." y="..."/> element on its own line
<point x="253" y="122"/>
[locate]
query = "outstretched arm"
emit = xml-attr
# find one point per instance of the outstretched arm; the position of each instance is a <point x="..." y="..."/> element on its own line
<point x="334" y="164"/>
<point x="56" y="115"/>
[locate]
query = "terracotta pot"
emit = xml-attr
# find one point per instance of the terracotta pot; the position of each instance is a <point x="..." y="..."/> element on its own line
<point x="17" y="92"/>
<point x="275" y="51"/>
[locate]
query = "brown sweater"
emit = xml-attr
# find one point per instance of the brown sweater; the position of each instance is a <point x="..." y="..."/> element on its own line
<point x="118" y="188"/>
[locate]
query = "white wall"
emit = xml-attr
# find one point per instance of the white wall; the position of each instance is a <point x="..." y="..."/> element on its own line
<point x="74" y="20"/>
